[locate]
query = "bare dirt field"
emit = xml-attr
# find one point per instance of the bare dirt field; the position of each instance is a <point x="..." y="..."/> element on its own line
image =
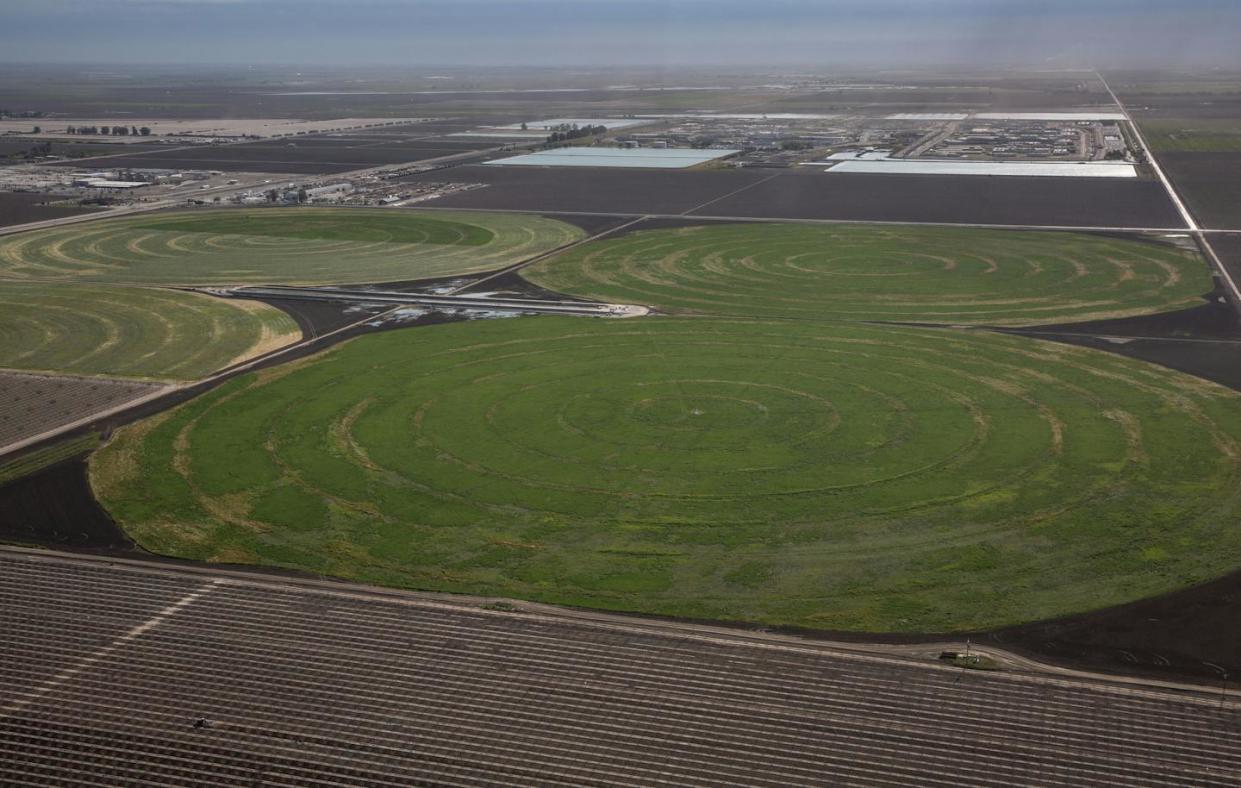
<point x="1228" y="248"/>
<point x="20" y="208"/>
<point x="54" y="507"/>
<point x="31" y="404"/>
<point x="1193" y="122"/>
<point x="1074" y="202"/>
<point x="1210" y="182"/>
<point x="320" y="154"/>
<point x="788" y="194"/>
<point x="208" y="127"/>
<point x="421" y="691"/>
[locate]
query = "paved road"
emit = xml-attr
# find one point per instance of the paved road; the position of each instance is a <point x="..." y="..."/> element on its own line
<point x="107" y="666"/>
<point x="1234" y="292"/>
<point x="454" y="302"/>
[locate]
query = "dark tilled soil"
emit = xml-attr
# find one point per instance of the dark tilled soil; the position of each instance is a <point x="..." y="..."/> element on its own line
<point x="1210" y="183"/>
<point x="512" y="284"/>
<point x="1204" y="341"/>
<point x="810" y="194"/>
<point x="54" y="507"/>
<point x="573" y="189"/>
<point x="1227" y="247"/>
<point x="1214" y="319"/>
<point x="316" y="154"/>
<point x="1214" y="360"/>
<point x="592" y="225"/>
<point x="1191" y="633"/>
<point x="1070" y="202"/>
<point x="20" y="208"/>
<point x="316" y="318"/>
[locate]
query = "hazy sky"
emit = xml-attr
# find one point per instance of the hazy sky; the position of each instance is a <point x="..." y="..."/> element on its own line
<point x="594" y="32"/>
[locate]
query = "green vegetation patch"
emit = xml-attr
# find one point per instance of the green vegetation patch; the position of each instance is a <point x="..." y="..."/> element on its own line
<point x="820" y="474"/>
<point x="373" y="227"/>
<point x="132" y="331"/>
<point x="18" y="467"/>
<point x="1200" y="135"/>
<point x="278" y="245"/>
<point x="917" y="274"/>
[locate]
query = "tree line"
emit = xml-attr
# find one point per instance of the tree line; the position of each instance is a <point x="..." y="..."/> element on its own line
<point x="576" y="132"/>
<point x="116" y="131"/>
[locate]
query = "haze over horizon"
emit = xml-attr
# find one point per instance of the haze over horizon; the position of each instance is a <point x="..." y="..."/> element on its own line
<point x="674" y="33"/>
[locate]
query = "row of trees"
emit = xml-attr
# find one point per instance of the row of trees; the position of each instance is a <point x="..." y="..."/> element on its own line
<point x="577" y="132"/>
<point x="34" y="152"/>
<point x="116" y="131"/>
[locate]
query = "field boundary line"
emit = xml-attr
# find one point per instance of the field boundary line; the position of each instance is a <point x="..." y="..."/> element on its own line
<point x="204" y="383"/>
<point x="67" y="674"/>
<point x="1188" y="217"/>
<point x="1024" y="669"/>
<point x="732" y="193"/>
<point x="791" y="220"/>
<point x="9" y="448"/>
<point x="508" y="269"/>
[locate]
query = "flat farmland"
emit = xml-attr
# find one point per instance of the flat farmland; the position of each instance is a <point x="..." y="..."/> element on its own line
<point x="810" y="194"/>
<point x="1193" y="123"/>
<point x="1228" y="247"/>
<point x="32" y="404"/>
<point x="865" y="272"/>
<point x="311" y="245"/>
<point x="1210" y="182"/>
<point x="412" y="691"/>
<point x="314" y="154"/>
<point x="829" y="475"/>
<point x="1069" y="202"/>
<point x="585" y="189"/>
<point x="18" y="208"/>
<point x="133" y="331"/>
<point x="87" y="298"/>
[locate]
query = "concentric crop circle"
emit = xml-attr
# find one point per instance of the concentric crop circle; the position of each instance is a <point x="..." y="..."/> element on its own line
<point x="917" y="274"/>
<point x="824" y="475"/>
<point x="132" y="331"/>
<point x="305" y="245"/>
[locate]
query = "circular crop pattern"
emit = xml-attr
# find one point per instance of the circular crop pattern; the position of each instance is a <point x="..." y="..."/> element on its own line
<point x="816" y="474"/>
<point x="133" y="331"/>
<point x="310" y="245"/>
<point x="916" y="274"/>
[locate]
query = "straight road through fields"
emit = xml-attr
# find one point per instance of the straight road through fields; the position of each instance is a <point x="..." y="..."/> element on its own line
<point x="1234" y="292"/>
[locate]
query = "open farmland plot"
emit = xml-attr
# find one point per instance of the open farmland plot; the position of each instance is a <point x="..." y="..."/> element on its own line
<point x="786" y="472"/>
<point x="927" y="274"/>
<point x="329" y="156"/>
<point x="1210" y="184"/>
<point x="33" y="404"/>
<point x="16" y="208"/>
<point x="61" y="307"/>
<point x="132" y="331"/>
<point x="314" y="245"/>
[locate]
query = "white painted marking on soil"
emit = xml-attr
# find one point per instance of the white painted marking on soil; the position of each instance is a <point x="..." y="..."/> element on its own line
<point x="15" y="706"/>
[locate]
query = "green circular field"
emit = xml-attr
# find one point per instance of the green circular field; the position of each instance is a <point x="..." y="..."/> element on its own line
<point x="826" y="475"/>
<point x="304" y="245"/>
<point x="132" y="331"/>
<point x="916" y="274"/>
